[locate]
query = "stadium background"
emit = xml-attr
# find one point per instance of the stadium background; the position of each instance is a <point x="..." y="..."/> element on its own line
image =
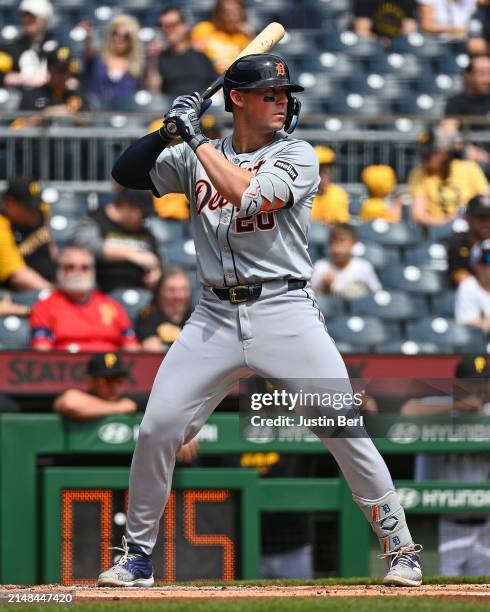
<point x="367" y="99"/>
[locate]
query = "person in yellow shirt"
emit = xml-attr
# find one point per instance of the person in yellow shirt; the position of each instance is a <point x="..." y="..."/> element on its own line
<point x="442" y="186"/>
<point x="331" y="203"/>
<point x="225" y="35"/>
<point x="380" y="182"/>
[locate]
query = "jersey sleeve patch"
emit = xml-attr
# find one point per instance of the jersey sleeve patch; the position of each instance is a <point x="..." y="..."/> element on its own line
<point x="288" y="168"/>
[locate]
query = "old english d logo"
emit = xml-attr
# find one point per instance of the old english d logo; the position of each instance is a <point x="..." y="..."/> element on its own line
<point x="280" y="70"/>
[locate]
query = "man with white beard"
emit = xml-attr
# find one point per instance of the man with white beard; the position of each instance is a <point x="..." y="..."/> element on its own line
<point x="76" y="316"/>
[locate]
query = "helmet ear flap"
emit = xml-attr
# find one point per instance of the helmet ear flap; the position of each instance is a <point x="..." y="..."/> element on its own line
<point x="293" y="110"/>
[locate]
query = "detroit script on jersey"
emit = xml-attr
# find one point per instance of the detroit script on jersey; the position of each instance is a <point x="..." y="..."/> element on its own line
<point x="271" y="244"/>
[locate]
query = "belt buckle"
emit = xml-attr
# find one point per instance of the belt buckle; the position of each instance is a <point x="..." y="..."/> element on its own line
<point x="234" y="299"/>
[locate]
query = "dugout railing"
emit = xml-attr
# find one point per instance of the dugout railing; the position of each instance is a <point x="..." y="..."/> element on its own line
<point x="37" y="523"/>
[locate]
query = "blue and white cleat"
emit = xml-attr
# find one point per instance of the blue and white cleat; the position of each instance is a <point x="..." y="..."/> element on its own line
<point x="405" y="567"/>
<point x="134" y="569"/>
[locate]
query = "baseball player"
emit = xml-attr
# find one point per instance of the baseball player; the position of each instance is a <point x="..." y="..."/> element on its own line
<point x="251" y="195"/>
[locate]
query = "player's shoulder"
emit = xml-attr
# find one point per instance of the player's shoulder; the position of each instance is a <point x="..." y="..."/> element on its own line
<point x="297" y="148"/>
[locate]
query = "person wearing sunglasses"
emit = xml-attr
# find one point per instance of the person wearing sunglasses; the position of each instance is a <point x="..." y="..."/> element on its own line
<point x="76" y="316"/>
<point x="115" y="71"/>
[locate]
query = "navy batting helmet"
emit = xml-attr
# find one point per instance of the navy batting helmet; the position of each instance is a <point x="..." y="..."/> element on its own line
<point x="260" y="70"/>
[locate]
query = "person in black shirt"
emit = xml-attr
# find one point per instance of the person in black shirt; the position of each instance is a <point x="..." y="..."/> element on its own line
<point x="178" y="68"/>
<point x="23" y="60"/>
<point x="60" y="96"/>
<point x="384" y="18"/>
<point x="125" y="249"/>
<point x="459" y="246"/>
<point x="23" y="207"/>
<point x="159" y="324"/>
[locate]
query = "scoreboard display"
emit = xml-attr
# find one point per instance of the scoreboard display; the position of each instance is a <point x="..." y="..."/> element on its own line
<point x="200" y="536"/>
<point x="197" y="537"/>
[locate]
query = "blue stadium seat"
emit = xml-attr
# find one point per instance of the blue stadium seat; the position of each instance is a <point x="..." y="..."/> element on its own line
<point x="389" y="234"/>
<point x="447" y="333"/>
<point x="318" y="234"/>
<point x="431" y="255"/>
<point x="14" y="332"/>
<point x="62" y="227"/>
<point x="181" y="254"/>
<point x="422" y="104"/>
<point x="9" y="99"/>
<point x="443" y="305"/>
<point x="133" y="299"/>
<point x="331" y="307"/>
<point x="339" y="64"/>
<point x="412" y="279"/>
<point x="390" y="306"/>
<point x="141" y="101"/>
<point x="27" y="298"/>
<point x="442" y="232"/>
<point x="348" y="348"/>
<point x="379" y="256"/>
<point x="70" y="203"/>
<point x="366" y="330"/>
<point x="357" y="104"/>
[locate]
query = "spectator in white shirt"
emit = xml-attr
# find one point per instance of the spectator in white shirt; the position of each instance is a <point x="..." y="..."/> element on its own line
<point x="448" y="19"/>
<point x="473" y="295"/>
<point x="343" y="275"/>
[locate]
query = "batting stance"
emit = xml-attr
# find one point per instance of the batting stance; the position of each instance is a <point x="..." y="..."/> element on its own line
<point x="251" y="196"/>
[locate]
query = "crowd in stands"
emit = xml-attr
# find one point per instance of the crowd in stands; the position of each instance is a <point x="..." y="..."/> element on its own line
<point x="433" y="220"/>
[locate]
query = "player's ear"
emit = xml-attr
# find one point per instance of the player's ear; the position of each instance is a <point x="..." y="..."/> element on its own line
<point x="236" y="97"/>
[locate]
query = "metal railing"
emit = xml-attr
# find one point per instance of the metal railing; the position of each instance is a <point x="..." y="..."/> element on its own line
<point x="82" y="155"/>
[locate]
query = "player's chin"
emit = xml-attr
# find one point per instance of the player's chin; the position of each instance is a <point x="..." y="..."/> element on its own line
<point x="277" y="122"/>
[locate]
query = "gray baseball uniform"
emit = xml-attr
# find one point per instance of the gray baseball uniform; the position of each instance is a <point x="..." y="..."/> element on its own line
<point x="280" y="335"/>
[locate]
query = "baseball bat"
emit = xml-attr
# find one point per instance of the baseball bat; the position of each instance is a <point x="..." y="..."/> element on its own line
<point x="262" y="43"/>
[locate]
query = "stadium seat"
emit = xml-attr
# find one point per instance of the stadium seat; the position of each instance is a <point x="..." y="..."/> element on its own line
<point x="423" y="46"/>
<point x="346" y="348"/>
<point x="412" y="279"/>
<point x="339" y="64"/>
<point x="9" y="99"/>
<point x="62" y="227"/>
<point x="442" y="232"/>
<point x="446" y="332"/>
<point x="318" y="234"/>
<point x="133" y="299"/>
<point x="331" y="307"/>
<point x="410" y="347"/>
<point x="28" y="298"/>
<point x="431" y="255"/>
<point x="443" y="305"/>
<point x="357" y="104"/>
<point x="389" y="234"/>
<point x="14" y="332"/>
<point x="390" y="306"/>
<point x="379" y="256"/>
<point x="366" y="330"/>
<point x="180" y="254"/>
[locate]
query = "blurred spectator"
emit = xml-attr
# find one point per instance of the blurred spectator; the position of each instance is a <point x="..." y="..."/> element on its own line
<point x="116" y="71"/>
<point x="177" y="69"/>
<point x="18" y="206"/>
<point x="77" y="317"/>
<point x="474" y="100"/>
<point x="23" y="207"/>
<point x="448" y="18"/>
<point x="396" y="18"/>
<point x="23" y="61"/>
<point x="331" y="203"/>
<point x="125" y="249"/>
<point x="472" y="305"/>
<point x="59" y="97"/>
<point x="107" y="376"/>
<point x="442" y="186"/>
<point x="479" y="41"/>
<point x="222" y="38"/>
<point x="159" y="324"/>
<point x="343" y="275"/>
<point x="463" y="537"/>
<point x="382" y="203"/>
<point x="460" y="244"/>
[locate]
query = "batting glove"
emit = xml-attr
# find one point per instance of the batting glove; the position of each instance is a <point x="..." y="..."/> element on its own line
<point x="182" y="105"/>
<point x="189" y="129"/>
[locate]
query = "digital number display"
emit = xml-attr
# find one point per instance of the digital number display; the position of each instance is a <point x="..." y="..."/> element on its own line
<point x="198" y="536"/>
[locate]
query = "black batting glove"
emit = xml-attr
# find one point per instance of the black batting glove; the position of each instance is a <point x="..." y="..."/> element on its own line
<point x="189" y="129"/>
<point x="182" y="105"/>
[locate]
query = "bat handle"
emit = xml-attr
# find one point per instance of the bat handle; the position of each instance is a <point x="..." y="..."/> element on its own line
<point x="212" y="89"/>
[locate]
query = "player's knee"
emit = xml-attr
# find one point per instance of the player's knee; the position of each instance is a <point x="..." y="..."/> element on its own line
<point x="163" y="429"/>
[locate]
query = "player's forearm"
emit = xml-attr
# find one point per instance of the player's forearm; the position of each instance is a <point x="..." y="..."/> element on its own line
<point x="229" y="180"/>
<point x="79" y="405"/>
<point x="132" y="169"/>
<point x="416" y="408"/>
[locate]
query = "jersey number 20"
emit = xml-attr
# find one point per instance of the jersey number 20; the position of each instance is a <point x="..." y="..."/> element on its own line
<point x="264" y="221"/>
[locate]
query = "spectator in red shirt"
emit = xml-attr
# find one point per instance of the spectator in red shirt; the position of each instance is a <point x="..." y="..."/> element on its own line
<point x="77" y="317"/>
